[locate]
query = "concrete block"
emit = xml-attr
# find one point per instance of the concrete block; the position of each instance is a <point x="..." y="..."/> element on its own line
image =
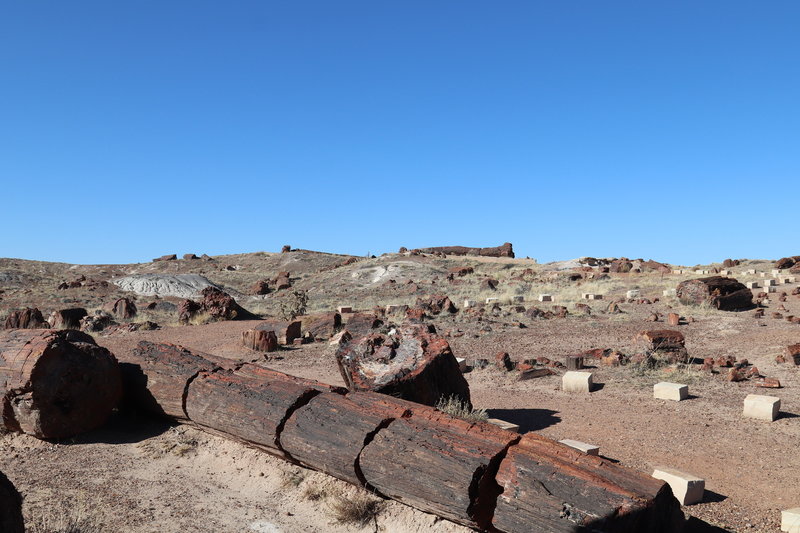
<point x="770" y="282"/>
<point x="688" y="489"/>
<point x="776" y="272"/>
<point x="724" y="272"/>
<point x="790" y="520"/>
<point x="588" y="449"/>
<point x="701" y="271"/>
<point x="751" y="284"/>
<point x="492" y="300"/>
<point x="342" y="310"/>
<point x="590" y="296"/>
<point x="633" y="293"/>
<point x="545" y="298"/>
<point x="574" y="381"/>
<point x="788" y="279"/>
<point x="770" y="289"/>
<point x="752" y="271"/>
<point x="761" y="407"/>
<point x="670" y="292"/>
<point x="508" y="426"/>
<point x="762" y="274"/>
<point x="462" y="364"/>
<point x="469" y="303"/>
<point x="670" y="391"/>
<point x="677" y="271"/>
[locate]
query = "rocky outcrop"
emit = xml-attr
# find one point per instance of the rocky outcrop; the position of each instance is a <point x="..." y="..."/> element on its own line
<point x="29" y="318"/>
<point x="67" y="318"/>
<point x="216" y="304"/>
<point x="506" y="250"/>
<point x="177" y="285"/>
<point x="725" y="294"/>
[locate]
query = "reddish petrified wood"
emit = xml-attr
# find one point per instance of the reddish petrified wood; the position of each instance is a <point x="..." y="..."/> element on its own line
<point x="157" y="376"/>
<point x="548" y="487"/>
<point x="56" y="384"/>
<point x="506" y="250"/>
<point x="10" y="507"/>
<point x="725" y="294"/>
<point x="415" y="365"/>
<point x="286" y="331"/>
<point x="329" y="432"/>
<point x="662" y="339"/>
<point x="793" y="352"/>
<point x="28" y="318"/>
<point x="67" y="318"/>
<point x="250" y="404"/>
<point x="326" y="326"/>
<point x="437" y="463"/>
<point x="260" y="340"/>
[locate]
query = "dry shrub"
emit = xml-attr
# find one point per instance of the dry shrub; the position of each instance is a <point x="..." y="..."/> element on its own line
<point x="64" y="519"/>
<point x="460" y="409"/>
<point x="356" y="509"/>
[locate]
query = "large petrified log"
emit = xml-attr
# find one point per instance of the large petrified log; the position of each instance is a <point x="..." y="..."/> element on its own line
<point x="67" y="318"/>
<point x="473" y="473"/>
<point x="725" y="294"/>
<point x="414" y="364"/>
<point x="10" y="507"/>
<point x="549" y="487"/>
<point x="285" y="330"/>
<point x="55" y="384"/>
<point x="506" y="250"/>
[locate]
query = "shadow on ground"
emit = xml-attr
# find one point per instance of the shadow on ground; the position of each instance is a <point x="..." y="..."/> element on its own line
<point x="123" y="428"/>
<point x="527" y="419"/>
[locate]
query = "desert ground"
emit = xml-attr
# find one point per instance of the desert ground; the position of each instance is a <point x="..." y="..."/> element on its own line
<point x="142" y="474"/>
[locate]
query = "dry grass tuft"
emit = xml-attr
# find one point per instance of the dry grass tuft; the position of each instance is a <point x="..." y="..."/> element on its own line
<point x="65" y="519"/>
<point x="355" y="509"/>
<point x="459" y="409"/>
<point x="315" y="493"/>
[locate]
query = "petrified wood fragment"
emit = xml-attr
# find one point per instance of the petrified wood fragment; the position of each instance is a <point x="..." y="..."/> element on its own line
<point x="56" y="384"/>
<point x="725" y="294"/>
<point x="549" y="487"/>
<point x="414" y="365"/>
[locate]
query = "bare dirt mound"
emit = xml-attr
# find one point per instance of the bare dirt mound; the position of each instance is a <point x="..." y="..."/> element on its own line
<point x="178" y="285"/>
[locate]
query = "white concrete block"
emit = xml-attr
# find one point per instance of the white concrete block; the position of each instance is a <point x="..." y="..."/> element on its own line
<point x="633" y="293"/>
<point x="545" y="298"/>
<point x="752" y="271"/>
<point x="343" y="309"/>
<point x="688" y="489"/>
<point x="590" y="296"/>
<point x="751" y="284"/>
<point x="492" y="300"/>
<point x="770" y="289"/>
<point x="508" y="426"/>
<point x="762" y="274"/>
<point x="724" y="272"/>
<point x="788" y="279"/>
<point x="469" y="303"/>
<point x="462" y="364"/>
<point x="776" y="272"/>
<point x="701" y="271"/>
<point x="761" y="407"/>
<point x="588" y="449"/>
<point x="574" y="381"/>
<point x="670" y="292"/>
<point x="790" y="520"/>
<point x="677" y="271"/>
<point x="770" y="282"/>
<point x="670" y="391"/>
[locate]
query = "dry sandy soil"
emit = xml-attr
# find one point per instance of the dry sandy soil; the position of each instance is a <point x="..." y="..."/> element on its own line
<point x="142" y="475"/>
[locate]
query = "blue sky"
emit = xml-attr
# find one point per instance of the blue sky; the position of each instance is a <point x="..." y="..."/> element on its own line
<point x="129" y="130"/>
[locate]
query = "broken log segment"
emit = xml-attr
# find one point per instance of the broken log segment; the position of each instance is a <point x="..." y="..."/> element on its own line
<point x="725" y="294"/>
<point x="415" y="365"/>
<point x="56" y="384"/>
<point x="330" y="431"/>
<point x="439" y="464"/>
<point x="250" y="404"/>
<point x="10" y="507"/>
<point x="549" y="487"/>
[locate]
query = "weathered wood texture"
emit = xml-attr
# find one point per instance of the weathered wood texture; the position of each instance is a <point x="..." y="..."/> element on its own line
<point x="28" y="318"/>
<point x="415" y="365"/>
<point x="437" y="463"/>
<point x="250" y="404"/>
<point x="286" y="331"/>
<point x="159" y="380"/>
<point x="260" y="340"/>
<point x="10" y="507"/>
<point x="55" y="384"/>
<point x="329" y="432"/>
<point x="725" y="294"/>
<point x="550" y="487"/>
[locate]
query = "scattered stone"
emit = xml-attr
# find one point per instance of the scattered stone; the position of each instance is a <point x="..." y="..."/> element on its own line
<point x="769" y="383"/>
<point x="436" y="304"/>
<point x="28" y="318"/>
<point x="506" y="250"/>
<point x="673" y="319"/>
<point x="503" y="361"/>
<point x="260" y="288"/>
<point x="325" y="326"/>
<point x="286" y="249"/>
<point x="190" y="257"/>
<point x="793" y="353"/>
<point x="286" y="331"/>
<point x="216" y="304"/>
<point x="574" y="362"/>
<point x="97" y="321"/>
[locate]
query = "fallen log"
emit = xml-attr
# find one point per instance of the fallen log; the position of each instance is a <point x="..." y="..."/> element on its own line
<point x="55" y="384"/>
<point x="472" y="473"/>
<point x="10" y="507"/>
<point x="415" y="365"/>
<point x="549" y="487"/>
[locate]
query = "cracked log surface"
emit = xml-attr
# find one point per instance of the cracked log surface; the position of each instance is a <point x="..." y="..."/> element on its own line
<point x="472" y="473"/>
<point x="56" y="384"/>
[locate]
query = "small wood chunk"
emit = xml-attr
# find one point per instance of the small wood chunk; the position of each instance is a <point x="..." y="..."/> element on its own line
<point x="574" y="362"/>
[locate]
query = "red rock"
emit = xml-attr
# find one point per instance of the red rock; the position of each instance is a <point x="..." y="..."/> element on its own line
<point x="780" y="359"/>
<point x="653" y="317"/>
<point x="759" y="313"/>
<point x="260" y="340"/>
<point x="168" y="257"/>
<point x="461" y="271"/>
<point x="260" y="287"/>
<point x="777" y="315"/>
<point x="282" y="281"/>
<point x="286" y="249"/>
<point x="415" y="315"/>
<point x="216" y="304"/>
<point x="67" y="318"/>
<point x="793" y="353"/>
<point x="286" y="331"/>
<point x="506" y="250"/>
<point x="560" y="311"/>
<point x="729" y="263"/>
<point x="28" y="318"/>
<point x="770" y="383"/>
<point x="734" y="374"/>
<point x="620" y="266"/>
<point x="436" y="304"/>
<point x="673" y="319"/>
<point x="531" y="373"/>
<point x="325" y="326"/>
<point x="189" y="257"/>
<point x="121" y="308"/>
<point x="725" y="294"/>
<point x="489" y="284"/>
<point x="503" y="361"/>
<point x="726" y="361"/>
<point x="784" y="263"/>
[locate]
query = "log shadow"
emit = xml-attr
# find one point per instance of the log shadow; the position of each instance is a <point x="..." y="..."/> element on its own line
<point x="124" y="427"/>
<point x="695" y="525"/>
<point x="527" y="419"/>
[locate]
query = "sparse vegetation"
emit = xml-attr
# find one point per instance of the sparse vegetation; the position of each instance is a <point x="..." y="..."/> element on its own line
<point x="294" y="304"/>
<point x="65" y="518"/>
<point x="460" y="409"/>
<point x="358" y="509"/>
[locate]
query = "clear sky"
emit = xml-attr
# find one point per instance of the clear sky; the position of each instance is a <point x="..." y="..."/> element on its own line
<point x="664" y="130"/>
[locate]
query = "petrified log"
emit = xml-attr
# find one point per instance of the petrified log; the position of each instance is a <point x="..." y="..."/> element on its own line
<point x="549" y="487"/>
<point x="10" y="507"/>
<point x="506" y="250"/>
<point x="250" y="404"/>
<point x="286" y="331"/>
<point x="217" y="304"/>
<point x="159" y="380"/>
<point x="260" y="340"/>
<point x="56" y="384"/>
<point x="28" y="318"/>
<point x="67" y="318"/>
<point x="725" y="294"/>
<point x="326" y="326"/>
<point x="121" y="308"/>
<point x="414" y="365"/>
<point x="359" y="324"/>
<point x="329" y="432"/>
<point x="440" y="464"/>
